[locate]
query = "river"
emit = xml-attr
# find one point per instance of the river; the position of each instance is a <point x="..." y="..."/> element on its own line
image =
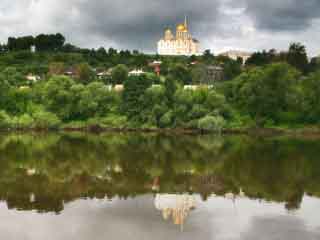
<point x="155" y="186"/>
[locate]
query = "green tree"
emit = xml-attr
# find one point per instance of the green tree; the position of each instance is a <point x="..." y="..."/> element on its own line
<point x="297" y="57"/>
<point x="132" y="96"/>
<point x="232" y="69"/>
<point x="84" y="73"/>
<point x="211" y="123"/>
<point x="181" y="73"/>
<point x="56" y="68"/>
<point x="119" y="74"/>
<point x="198" y="74"/>
<point x="314" y="64"/>
<point x="208" y="57"/>
<point x="267" y="93"/>
<point x="311" y="98"/>
<point x="170" y="89"/>
<point x="58" y="97"/>
<point x="13" y="76"/>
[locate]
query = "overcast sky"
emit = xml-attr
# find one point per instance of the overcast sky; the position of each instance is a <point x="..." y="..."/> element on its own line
<point x="138" y="24"/>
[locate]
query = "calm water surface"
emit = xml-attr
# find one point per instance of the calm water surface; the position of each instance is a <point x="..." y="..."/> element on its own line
<point x="129" y="186"/>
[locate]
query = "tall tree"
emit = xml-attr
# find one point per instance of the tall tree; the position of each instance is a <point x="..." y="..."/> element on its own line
<point x="132" y="97"/>
<point x="297" y="57"/>
<point x="84" y="73"/>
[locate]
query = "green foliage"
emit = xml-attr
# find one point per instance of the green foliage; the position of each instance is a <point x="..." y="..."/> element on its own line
<point x="46" y="120"/>
<point x="191" y="105"/>
<point x="5" y="120"/>
<point x="42" y="42"/>
<point x="166" y="120"/>
<point x="211" y="123"/>
<point x="22" y="43"/>
<point x="132" y="96"/>
<point x="57" y="96"/>
<point x="265" y="93"/>
<point x="51" y="42"/>
<point x="119" y="74"/>
<point x="232" y="69"/>
<point x="311" y="98"/>
<point x="208" y="57"/>
<point x="84" y="73"/>
<point x="13" y="77"/>
<point x="181" y="73"/>
<point x="56" y="68"/>
<point x="25" y="121"/>
<point x="297" y="57"/>
<point x="115" y="121"/>
<point x="273" y="94"/>
<point x="261" y="58"/>
<point x="198" y="74"/>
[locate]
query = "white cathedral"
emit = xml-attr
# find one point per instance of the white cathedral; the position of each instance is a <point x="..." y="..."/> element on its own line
<point x="181" y="44"/>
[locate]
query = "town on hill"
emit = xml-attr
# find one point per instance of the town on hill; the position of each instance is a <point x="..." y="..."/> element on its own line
<point x="47" y="83"/>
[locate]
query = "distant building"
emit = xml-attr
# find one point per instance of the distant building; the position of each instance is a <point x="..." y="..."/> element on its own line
<point x="235" y="54"/>
<point x="214" y="74"/>
<point x="118" y="88"/>
<point x="105" y="75"/>
<point x="32" y="78"/>
<point x="156" y="65"/>
<point x="33" y="49"/>
<point x="136" y="72"/>
<point x="191" y="87"/>
<point x="181" y="44"/>
<point x="71" y="72"/>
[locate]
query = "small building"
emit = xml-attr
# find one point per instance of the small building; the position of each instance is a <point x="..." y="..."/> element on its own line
<point x="136" y="72"/>
<point x="33" y="49"/>
<point x="191" y="87"/>
<point x="32" y="78"/>
<point x="156" y="66"/>
<point x="102" y="75"/>
<point x="213" y="74"/>
<point x="24" y="87"/>
<point x="118" y="88"/>
<point x="235" y="54"/>
<point x="71" y="72"/>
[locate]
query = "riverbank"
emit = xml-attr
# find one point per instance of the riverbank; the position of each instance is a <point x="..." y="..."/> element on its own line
<point x="308" y="131"/>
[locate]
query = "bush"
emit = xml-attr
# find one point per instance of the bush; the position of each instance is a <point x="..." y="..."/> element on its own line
<point x="5" y="120"/>
<point x="211" y="123"/>
<point x="166" y="120"/>
<point x="75" y="125"/>
<point x="25" y="121"/>
<point x="115" y="121"/>
<point x="46" y="120"/>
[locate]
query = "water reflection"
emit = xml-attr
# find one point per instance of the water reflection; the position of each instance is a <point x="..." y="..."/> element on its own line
<point x="129" y="186"/>
<point x="175" y="206"/>
<point x="44" y="172"/>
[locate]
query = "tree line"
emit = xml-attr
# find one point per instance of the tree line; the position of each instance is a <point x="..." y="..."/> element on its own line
<point x="271" y="89"/>
<point x="42" y="42"/>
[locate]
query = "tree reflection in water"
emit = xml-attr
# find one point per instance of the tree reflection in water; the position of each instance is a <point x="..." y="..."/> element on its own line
<point x="43" y="172"/>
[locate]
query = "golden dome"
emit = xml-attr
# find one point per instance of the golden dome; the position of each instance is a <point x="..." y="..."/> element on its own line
<point x="181" y="27"/>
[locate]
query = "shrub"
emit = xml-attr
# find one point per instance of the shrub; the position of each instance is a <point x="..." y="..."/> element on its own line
<point x="211" y="123"/>
<point x="25" y="121"/>
<point x="46" y="120"/>
<point x="115" y="121"/>
<point x="5" y="120"/>
<point x="166" y="120"/>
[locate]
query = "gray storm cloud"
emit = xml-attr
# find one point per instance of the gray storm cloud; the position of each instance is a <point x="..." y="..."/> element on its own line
<point x="138" y="24"/>
<point x="283" y="15"/>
